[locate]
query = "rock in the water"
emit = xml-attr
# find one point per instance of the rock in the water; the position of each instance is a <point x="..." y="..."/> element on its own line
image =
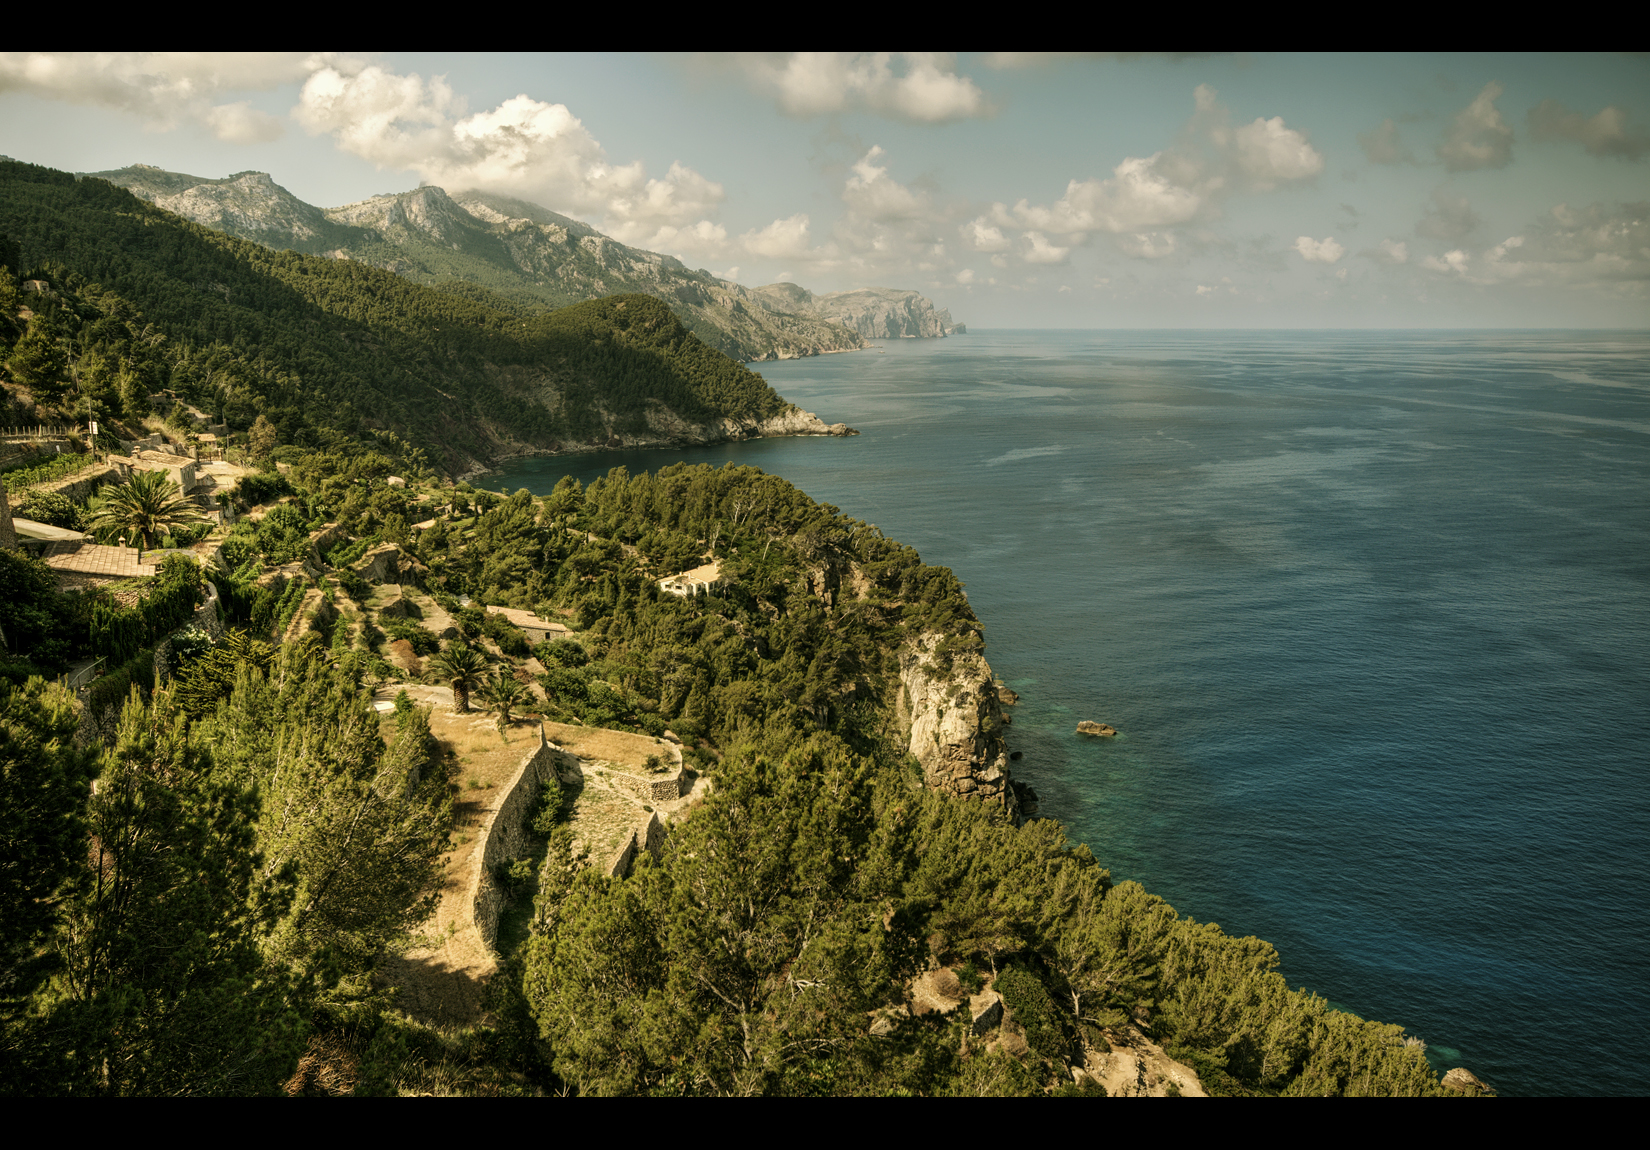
<point x="1090" y="727"/>
<point x="1468" y="1083"/>
<point x="1005" y="696"/>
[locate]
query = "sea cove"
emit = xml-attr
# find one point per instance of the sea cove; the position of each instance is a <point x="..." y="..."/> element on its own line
<point x="1368" y="609"/>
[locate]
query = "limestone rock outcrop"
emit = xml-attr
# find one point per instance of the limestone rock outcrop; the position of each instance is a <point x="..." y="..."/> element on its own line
<point x="1466" y="1082"/>
<point x="948" y="704"/>
<point x="1090" y="727"/>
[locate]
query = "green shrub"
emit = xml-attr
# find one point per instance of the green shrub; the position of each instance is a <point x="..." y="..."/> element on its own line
<point x="1027" y="998"/>
<point x="54" y="509"/>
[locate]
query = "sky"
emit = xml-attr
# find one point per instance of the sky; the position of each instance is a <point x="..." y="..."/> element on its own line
<point x="1016" y="190"/>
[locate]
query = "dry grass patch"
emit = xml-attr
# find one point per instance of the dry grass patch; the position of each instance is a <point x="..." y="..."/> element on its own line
<point x="626" y="751"/>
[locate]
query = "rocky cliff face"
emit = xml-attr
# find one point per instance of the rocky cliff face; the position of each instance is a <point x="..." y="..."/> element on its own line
<point x="247" y="204"/>
<point x="956" y="723"/>
<point x="875" y="313"/>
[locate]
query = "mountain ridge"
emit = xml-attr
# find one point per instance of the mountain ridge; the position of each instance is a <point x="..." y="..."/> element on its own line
<point x="535" y="258"/>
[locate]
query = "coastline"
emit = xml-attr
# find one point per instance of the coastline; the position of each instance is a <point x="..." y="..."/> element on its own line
<point x="793" y="422"/>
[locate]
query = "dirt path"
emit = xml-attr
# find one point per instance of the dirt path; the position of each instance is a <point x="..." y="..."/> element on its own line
<point x="440" y="980"/>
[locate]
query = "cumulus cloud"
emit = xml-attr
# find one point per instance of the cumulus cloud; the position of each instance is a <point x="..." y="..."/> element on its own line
<point x="924" y="87"/>
<point x="1324" y="251"/>
<point x="1145" y="197"/>
<point x="1479" y="137"/>
<point x="966" y="276"/>
<point x="1382" y="146"/>
<point x="163" y="89"/>
<point x="1272" y="154"/>
<point x="524" y="147"/>
<point x="1605" y="134"/>
<point x="1138" y="194"/>
<point x="872" y="194"/>
<point x="1039" y="251"/>
<point x="980" y="235"/>
<point x="786" y="239"/>
<point x="1448" y="218"/>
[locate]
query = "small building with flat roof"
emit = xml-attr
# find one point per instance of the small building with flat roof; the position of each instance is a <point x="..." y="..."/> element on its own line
<point x="701" y="580"/>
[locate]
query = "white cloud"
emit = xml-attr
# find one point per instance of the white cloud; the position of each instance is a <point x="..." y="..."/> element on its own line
<point x="1139" y="194"/>
<point x="1146" y="198"/>
<point x="1605" y="134"/>
<point x="1324" y="251"/>
<point x="1271" y="153"/>
<point x="241" y="123"/>
<point x="982" y="237"/>
<point x="790" y="240"/>
<point x="1479" y="137"/>
<point x="703" y="238"/>
<point x="1204" y="289"/>
<point x="1040" y="251"/>
<point x="873" y="195"/>
<point x="927" y="89"/>
<point x="164" y="89"/>
<point x="1452" y="262"/>
<point x="524" y="147"/>
<point x="966" y="276"/>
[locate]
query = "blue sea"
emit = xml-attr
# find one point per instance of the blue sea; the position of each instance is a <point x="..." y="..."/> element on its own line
<point x="1370" y="611"/>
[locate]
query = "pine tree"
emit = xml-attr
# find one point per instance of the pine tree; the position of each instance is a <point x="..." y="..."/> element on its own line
<point x="39" y="363"/>
<point x="44" y="783"/>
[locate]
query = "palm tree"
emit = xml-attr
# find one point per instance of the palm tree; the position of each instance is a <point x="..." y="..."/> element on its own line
<point x="463" y="666"/>
<point x="147" y="504"/>
<point x="503" y="694"/>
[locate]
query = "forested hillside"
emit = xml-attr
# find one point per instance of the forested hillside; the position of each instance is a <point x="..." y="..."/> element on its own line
<point x="264" y="839"/>
<point x="323" y="345"/>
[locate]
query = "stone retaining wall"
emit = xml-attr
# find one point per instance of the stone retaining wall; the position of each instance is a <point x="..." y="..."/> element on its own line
<point x="505" y="836"/>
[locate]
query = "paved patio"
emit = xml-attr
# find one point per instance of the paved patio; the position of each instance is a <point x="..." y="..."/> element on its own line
<point x="96" y="559"/>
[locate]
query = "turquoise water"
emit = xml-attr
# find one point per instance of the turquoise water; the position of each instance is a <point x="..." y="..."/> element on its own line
<point x="1370" y="610"/>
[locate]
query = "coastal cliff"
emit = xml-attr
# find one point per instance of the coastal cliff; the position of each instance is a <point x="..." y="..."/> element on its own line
<point x="874" y="313"/>
<point x="667" y="429"/>
<point x="948" y="705"/>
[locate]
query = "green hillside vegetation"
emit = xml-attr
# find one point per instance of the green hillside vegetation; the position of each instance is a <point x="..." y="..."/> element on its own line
<point x="323" y="347"/>
<point x="233" y="924"/>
